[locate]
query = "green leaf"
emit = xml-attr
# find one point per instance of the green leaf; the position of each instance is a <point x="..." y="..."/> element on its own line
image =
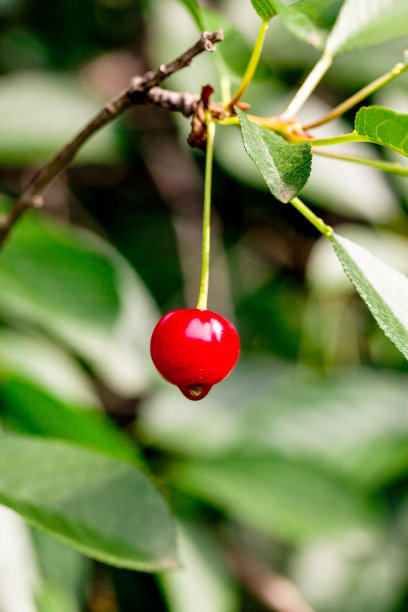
<point x="49" y="598"/>
<point x="384" y="127"/>
<point x="195" y="11"/>
<point x="103" y="507"/>
<point x="282" y="497"/>
<point x="79" y="290"/>
<point x="60" y="272"/>
<point x="204" y="585"/>
<point x="266" y="9"/>
<point x="232" y="55"/>
<point x="26" y="408"/>
<point x="47" y="365"/>
<point x="310" y="20"/>
<point x="64" y="574"/>
<point x="285" y="167"/>
<point x="362" y="23"/>
<point x="40" y="112"/>
<point x="383" y="289"/>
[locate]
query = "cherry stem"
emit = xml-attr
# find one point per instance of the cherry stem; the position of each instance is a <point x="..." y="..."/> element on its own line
<point x="251" y="68"/>
<point x="205" y="261"/>
<point x="319" y="224"/>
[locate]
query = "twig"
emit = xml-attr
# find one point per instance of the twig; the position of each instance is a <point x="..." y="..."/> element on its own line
<point x="386" y="166"/>
<point x="366" y="91"/>
<point x="308" y="86"/>
<point x="142" y="90"/>
<point x="276" y="592"/>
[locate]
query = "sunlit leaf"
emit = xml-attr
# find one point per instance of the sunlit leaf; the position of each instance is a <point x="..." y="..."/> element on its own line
<point x="51" y="597"/>
<point x="310" y="20"/>
<point x="266" y="9"/>
<point x="362" y="23"/>
<point x="384" y="126"/>
<point x="103" y="507"/>
<point x="285" y="167"/>
<point x="369" y="572"/>
<point x="383" y="289"/>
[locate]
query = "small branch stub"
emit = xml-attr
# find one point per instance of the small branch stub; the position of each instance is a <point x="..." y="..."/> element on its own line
<point x="198" y="135"/>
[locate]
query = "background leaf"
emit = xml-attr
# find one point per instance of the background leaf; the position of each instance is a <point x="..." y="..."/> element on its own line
<point x="285" y="167"/>
<point x="383" y="289"/>
<point x="204" y="583"/>
<point x="73" y="283"/>
<point x="280" y="496"/>
<point x="352" y="423"/>
<point x="384" y="126"/>
<point x="39" y="112"/>
<point x="362" y="23"/>
<point x="233" y="53"/>
<point x="63" y="572"/>
<point x="196" y="12"/>
<point x="266" y="9"/>
<point x="26" y="408"/>
<point x="310" y="20"/>
<point x="107" y="509"/>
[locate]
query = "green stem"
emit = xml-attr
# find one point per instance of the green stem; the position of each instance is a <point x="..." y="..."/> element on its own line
<point x="304" y="92"/>
<point x="319" y="224"/>
<point x="359" y="96"/>
<point x="225" y="86"/>
<point x="353" y="137"/>
<point x="392" y="168"/>
<point x="333" y="140"/>
<point x="252" y="66"/>
<point x="205" y="261"/>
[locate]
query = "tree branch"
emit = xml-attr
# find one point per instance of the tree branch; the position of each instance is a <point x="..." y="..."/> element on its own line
<point x="142" y="90"/>
<point x="276" y="592"/>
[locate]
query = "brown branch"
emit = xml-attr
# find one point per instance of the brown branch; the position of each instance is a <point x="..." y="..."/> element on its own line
<point x="142" y="90"/>
<point x="276" y="592"/>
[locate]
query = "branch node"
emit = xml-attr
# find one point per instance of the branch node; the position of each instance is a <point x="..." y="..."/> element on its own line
<point x="110" y="108"/>
<point x="136" y="84"/>
<point x="206" y="43"/>
<point x="207" y="39"/>
<point x="37" y="201"/>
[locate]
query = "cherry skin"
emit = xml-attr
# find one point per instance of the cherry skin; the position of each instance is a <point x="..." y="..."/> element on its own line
<point x="194" y="349"/>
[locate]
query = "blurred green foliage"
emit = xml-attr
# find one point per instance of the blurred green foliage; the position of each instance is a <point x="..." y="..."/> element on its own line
<point x="300" y="458"/>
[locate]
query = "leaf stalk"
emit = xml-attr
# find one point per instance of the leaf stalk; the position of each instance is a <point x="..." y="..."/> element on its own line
<point x="318" y="223"/>
<point x="251" y="68"/>
<point x="309" y="85"/>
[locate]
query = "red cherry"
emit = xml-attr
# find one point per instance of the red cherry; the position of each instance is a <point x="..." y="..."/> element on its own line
<point x="194" y="349"/>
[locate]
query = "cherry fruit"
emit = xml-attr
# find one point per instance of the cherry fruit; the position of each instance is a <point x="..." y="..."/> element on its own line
<point x="194" y="349"/>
